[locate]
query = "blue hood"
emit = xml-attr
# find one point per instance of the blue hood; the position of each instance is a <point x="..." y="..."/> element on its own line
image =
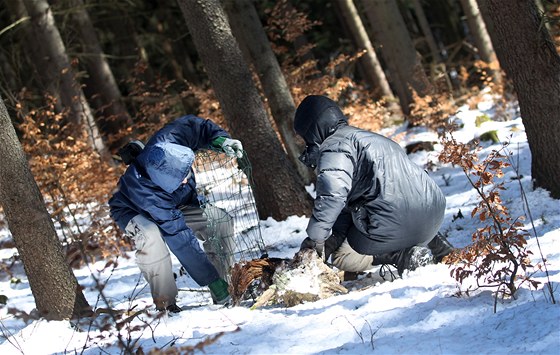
<point x="167" y="164"/>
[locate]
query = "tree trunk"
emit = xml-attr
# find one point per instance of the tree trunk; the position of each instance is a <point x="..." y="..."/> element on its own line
<point x="405" y="68"/>
<point x="125" y="46"/>
<point x="445" y="15"/>
<point x="374" y="72"/>
<point x="8" y="79"/>
<point x="477" y="28"/>
<point x="47" y="79"/>
<point x="45" y="35"/>
<point x="177" y="53"/>
<point x="55" y="288"/>
<point x="279" y="191"/>
<point x="529" y="58"/>
<point x="426" y="31"/>
<point x="102" y="82"/>
<point x="247" y="28"/>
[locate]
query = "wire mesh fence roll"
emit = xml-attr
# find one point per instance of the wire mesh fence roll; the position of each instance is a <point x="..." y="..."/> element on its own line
<point x="224" y="187"/>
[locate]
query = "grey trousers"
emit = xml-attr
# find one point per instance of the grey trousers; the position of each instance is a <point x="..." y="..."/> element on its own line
<point x="214" y="227"/>
<point x="347" y="259"/>
<point x="211" y="225"/>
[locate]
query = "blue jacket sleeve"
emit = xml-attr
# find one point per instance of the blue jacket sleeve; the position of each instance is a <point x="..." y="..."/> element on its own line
<point x="191" y="131"/>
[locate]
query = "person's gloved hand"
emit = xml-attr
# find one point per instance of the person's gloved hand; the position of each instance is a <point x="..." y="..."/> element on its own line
<point x="232" y="148"/>
<point x="320" y="249"/>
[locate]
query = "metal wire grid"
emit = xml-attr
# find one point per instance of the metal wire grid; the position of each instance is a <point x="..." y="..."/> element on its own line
<point x="225" y="182"/>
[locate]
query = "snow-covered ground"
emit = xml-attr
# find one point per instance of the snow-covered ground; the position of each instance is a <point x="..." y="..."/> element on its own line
<point x="422" y="313"/>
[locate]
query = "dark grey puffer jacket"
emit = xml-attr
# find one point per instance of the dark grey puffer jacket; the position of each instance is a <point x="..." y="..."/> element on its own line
<point x="391" y="199"/>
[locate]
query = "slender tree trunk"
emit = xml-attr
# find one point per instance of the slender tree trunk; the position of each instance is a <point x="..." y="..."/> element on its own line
<point x="426" y="31"/>
<point x="477" y="27"/>
<point x="55" y="288"/>
<point x="46" y="34"/>
<point x="445" y="15"/>
<point x="529" y="58"/>
<point x="542" y="11"/>
<point x="374" y="72"/>
<point x="181" y="65"/>
<point x="397" y="49"/>
<point x="8" y="79"/>
<point x="125" y="48"/>
<point x="481" y="36"/>
<point x="253" y="41"/>
<point x="279" y="190"/>
<point x="101" y="79"/>
<point x="36" y="51"/>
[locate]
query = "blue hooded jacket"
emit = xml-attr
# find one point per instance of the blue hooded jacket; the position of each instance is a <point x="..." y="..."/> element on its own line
<point x="151" y="186"/>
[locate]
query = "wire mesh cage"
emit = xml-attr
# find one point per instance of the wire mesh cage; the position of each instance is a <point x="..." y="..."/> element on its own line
<point x="224" y="185"/>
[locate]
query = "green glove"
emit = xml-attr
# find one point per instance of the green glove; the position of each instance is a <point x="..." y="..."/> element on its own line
<point x="217" y="143"/>
<point x="232" y="147"/>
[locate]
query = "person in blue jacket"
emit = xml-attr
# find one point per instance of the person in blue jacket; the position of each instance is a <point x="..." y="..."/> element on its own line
<point x="154" y="205"/>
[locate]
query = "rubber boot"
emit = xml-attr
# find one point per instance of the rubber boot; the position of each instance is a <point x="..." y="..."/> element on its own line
<point x="405" y="259"/>
<point x="219" y="292"/>
<point x="440" y="247"/>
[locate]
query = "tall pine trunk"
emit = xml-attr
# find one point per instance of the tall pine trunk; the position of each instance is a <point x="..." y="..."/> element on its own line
<point x="528" y="56"/>
<point x="53" y="285"/>
<point x="478" y="31"/>
<point x="404" y="63"/>
<point x="102" y="83"/>
<point x="45" y="35"/>
<point x="36" y="52"/>
<point x="426" y="31"/>
<point x="375" y="75"/>
<point x="253" y="41"/>
<point x="279" y="190"/>
<point x="481" y="36"/>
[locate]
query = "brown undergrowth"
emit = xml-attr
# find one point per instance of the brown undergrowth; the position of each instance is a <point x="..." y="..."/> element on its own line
<point x="74" y="180"/>
<point x="497" y="258"/>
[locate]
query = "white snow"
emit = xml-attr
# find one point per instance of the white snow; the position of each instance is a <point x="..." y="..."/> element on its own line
<point x="422" y="313"/>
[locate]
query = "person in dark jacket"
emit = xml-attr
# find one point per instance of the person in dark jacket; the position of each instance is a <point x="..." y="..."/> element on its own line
<point x="373" y="205"/>
<point x="157" y="205"/>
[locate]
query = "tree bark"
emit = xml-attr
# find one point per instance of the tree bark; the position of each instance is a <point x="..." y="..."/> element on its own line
<point x="56" y="291"/>
<point x="125" y="47"/>
<point x="47" y="79"/>
<point x="529" y="58"/>
<point x="445" y="17"/>
<point x="253" y="41"/>
<point x="405" y="68"/>
<point x="374" y="72"/>
<point x="426" y="31"/>
<point x="45" y="35"/>
<point x="102" y="82"/>
<point x="279" y="190"/>
<point x="8" y="79"/>
<point x="477" y="27"/>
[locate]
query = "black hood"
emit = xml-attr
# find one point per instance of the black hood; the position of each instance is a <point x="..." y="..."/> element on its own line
<point x="317" y="117"/>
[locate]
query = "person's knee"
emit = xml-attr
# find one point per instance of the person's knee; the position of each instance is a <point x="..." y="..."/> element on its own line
<point x="347" y="259"/>
<point x="148" y="241"/>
